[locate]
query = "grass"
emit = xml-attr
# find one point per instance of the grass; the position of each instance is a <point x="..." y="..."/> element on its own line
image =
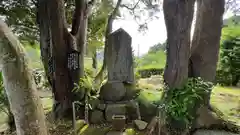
<point x="227" y="100"/>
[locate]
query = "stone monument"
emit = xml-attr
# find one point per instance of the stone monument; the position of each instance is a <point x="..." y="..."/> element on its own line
<point x="119" y="63"/>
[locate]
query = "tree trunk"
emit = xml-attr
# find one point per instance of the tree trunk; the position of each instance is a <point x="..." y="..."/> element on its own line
<point x="64" y="43"/>
<point x="45" y="37"/>
<point x="82" y="40"/>
<point x="20" y="86"/>
<point x="205" y="50"/>
<point x="60" y="48"/>
<point x="178" y="19"/>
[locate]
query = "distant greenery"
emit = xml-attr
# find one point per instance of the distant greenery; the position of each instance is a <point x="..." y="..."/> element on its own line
<point x="33" y="53"/>
<point x="234" y="20"/>
<point x="152" y="60"/>
<point x="228" y="72"/>
<point x="157" y="47"/>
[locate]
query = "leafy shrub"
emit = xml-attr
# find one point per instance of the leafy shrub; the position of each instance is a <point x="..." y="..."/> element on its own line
<point x="145" y="73"/>
<point x="137" y="76"/>
<point x="180" y="103"/>
<point x="223" y="78"/>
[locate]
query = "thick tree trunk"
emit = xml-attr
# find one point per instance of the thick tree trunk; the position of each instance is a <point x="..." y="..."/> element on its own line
<point x="82" y="40"/>
<point x="178" y="19"/>
<point x="205" y="50"/>
<point x="20" y="86"/>
<point x="45" y="37"/>
<point x="63" y="43"/>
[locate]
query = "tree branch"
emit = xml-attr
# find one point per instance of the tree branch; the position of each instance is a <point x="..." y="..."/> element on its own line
<point x="34" y="2"/>
<point x="77" y="16"/>
<point x="131" y="8"/>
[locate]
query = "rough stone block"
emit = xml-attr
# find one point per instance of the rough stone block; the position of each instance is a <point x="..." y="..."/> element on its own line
<point x="114" y="109"/>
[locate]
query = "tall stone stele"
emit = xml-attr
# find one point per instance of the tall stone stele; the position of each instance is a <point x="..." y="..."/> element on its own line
<point x="119" y="62"/>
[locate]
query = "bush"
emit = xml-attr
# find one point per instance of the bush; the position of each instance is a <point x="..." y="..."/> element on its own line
<point x="137" y="76"/>
<point x="145" y="73"/>
<point x="223" y="78"/>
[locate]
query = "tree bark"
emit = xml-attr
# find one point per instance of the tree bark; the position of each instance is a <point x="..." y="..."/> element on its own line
<point x="63" y="43"/>
<point x="178" y="16"/>
<point x="205" y="51"/>
<point x="45" y="37"/>
<point x="20" y="86"/>
<point x="178" y="19"/>
<point x="206" y="39"/>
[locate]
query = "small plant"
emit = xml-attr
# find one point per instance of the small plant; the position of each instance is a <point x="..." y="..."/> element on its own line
<point x="87" y="87"/>
<point x="181" y="101"/>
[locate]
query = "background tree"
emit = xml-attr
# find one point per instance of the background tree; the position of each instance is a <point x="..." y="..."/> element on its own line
<point x="228" y="66"/>
<point x="97" y="27"/>
<point x="157" y="47"/>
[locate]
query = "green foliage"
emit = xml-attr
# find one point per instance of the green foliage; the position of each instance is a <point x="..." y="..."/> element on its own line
<point x="146" y="73"/>
<point x="88" y="89"/>
<point x="181" y="101"/>
<point x="21" y="16"/>
<point x="137" y="76"/>
<point x="157" y="47"/>
<point x="228" y="69"/>
<point x="97" y="24"/>
<point x="152" y="60"/>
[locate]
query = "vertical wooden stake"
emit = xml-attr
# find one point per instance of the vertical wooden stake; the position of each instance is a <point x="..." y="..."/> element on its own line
<point x="74" y="119"/>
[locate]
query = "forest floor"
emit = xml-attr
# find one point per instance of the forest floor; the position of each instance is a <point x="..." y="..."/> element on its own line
<point x="225" y="99"/>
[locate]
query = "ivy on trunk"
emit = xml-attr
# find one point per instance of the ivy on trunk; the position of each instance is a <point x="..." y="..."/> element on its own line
<point x="198" y="61"/>
<point x="178" y="19"/>
<point x="204" y="53"/>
